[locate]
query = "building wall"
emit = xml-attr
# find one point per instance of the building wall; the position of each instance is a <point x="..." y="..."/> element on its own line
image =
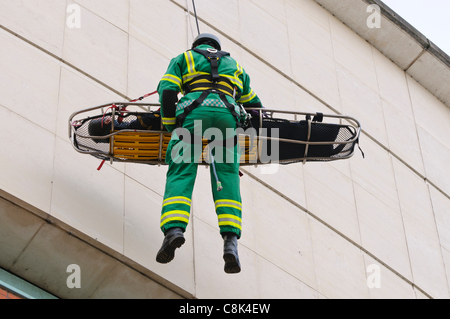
<point x="310" y="231"/>
<point x="4" y="294"/>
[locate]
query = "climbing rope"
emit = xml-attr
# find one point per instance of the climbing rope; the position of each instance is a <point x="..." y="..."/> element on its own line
<point x="189" y="19"/>
<point x="196" y="18"/>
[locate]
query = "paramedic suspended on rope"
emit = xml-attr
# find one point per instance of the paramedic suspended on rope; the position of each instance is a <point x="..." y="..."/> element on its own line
<point x="213" y="84"/>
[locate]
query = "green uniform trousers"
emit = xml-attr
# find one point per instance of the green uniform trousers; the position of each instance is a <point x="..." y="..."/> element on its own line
<point x="183" y="159"/>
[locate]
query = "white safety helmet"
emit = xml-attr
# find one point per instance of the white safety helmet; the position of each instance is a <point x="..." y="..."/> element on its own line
<point x="207" y="38"/>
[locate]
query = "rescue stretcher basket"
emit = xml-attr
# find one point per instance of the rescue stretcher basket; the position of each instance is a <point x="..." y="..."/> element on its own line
<point x="120" y="134"/>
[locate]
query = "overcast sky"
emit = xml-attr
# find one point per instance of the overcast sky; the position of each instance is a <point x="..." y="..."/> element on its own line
<point x="430" y="17"/>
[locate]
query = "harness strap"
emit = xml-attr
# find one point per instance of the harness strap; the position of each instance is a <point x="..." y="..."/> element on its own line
<point x="212" y="53"/>
<point x="190" y="108"/>
<point x="203" y="82"/>
<point x="197" y="102"/>
<point x="231" y="108"/>
<point x="210" y="84"/>
<point x="214" y="60"/>
<point x="213" y="56"/>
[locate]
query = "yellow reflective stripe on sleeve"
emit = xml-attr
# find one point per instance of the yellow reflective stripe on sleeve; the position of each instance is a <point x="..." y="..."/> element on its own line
<point x="177" y="200"/>
<point x="248" y="97"/>
<point x="174" y="215"/>
<point x="172" y="78"/>
<point x="239" y="70"/>
<point x="169" y="120"/>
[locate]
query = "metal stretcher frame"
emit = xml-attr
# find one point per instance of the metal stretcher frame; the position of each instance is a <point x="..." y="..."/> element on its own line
<point x="263" y="113"/>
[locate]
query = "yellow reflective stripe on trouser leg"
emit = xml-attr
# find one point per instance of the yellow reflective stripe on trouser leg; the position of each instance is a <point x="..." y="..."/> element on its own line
<point x="177" y="200"/>
<point x="229" y="217"/>
<point x="228" y="203"/>
<point x="174" y="215"/>
<point x="230" y="220"/>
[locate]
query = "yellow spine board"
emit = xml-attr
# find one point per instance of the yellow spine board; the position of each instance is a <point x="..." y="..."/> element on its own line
<point x="139" y="146"/>
<point x="248" y="156"/>
<point x="146" y="146"/>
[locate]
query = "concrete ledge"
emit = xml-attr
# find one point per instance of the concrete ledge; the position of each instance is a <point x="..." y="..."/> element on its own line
<point x="38" y="248"/>
<point x="392" y="16"/>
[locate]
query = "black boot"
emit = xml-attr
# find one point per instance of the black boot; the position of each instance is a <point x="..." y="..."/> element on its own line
<point x="173" y="239"/>
<point x="230" y="254"/>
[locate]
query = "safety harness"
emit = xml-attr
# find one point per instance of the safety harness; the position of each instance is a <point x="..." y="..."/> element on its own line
<point x="210" y="83"/>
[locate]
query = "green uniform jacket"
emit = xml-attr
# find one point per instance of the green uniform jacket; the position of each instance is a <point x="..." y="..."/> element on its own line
<point x="189" y="65"/>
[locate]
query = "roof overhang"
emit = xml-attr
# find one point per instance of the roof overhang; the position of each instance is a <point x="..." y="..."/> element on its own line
<point x="399" y="41"/>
